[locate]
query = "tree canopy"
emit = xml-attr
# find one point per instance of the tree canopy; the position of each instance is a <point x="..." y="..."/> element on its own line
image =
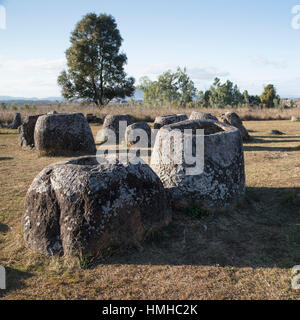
<point x="171" y="87"/>
<point x="269" y="97"/>
<point x="223" y="94"/>
<point x="95" y="66"/>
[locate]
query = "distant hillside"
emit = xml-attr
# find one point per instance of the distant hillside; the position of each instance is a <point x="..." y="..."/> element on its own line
<point x="21" y="100"/>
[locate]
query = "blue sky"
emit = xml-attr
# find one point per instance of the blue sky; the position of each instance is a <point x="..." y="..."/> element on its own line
<point x="250" y="42"/>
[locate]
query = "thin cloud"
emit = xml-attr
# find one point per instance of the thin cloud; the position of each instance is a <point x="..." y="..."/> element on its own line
<point x="30" y="77"/>
<point x="262" y="61"/>
<point x="29" y="87"/>
<point x="197" y="74"/>
<point x="33" y="65"/>
<point x="206" y="73"/>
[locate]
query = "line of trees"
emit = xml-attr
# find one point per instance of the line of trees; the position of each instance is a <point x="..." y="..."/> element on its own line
<point x="95" y="73"/>
<point x="178" y="89"/>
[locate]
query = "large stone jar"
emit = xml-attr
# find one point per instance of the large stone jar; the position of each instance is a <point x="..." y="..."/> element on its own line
<point x="64" y="134"/>
<point x="218" y="181"/>
<point x="82" y="207"/>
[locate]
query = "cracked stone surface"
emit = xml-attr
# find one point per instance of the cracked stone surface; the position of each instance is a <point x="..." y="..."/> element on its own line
<point x="220" y="184"/>
<point x="81" y="207"/>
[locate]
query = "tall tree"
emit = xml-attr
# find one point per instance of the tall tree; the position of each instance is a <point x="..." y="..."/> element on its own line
<point x="95" y="65"/>
<point x="268" y="96"/>
<point x="186" y="87"/>
<point x="246" y="97"/>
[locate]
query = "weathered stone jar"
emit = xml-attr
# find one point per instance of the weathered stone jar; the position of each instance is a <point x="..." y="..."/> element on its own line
<point x="17" y="122"/>
<point x="232" y="119"/>
<point x="64" y="134"/>
<point x="219" y="182"/>
<point x="198" y="115"/>
<point x="132" y="134"/>
<point x="81" y="207"/>
<point x="116" y="125"/>
<point x="26" y="132"/>
<point x="169" y="119"/>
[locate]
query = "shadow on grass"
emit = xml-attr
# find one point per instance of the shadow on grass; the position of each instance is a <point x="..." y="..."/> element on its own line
<point x="278" y="137"/>
<point x="5" y="158"/>
<point x="260" y="148"/>
<point x="14" y="280"/>
<point x="250" y="145"/>
<point x="262" y="232"/>
<point x="4" y="228"/>
<point x="262" y="141"/>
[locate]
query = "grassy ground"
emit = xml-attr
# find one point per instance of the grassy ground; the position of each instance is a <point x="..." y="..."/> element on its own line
<point x="244" y="254"/>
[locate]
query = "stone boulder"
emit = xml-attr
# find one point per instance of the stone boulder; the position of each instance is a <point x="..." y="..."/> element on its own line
<point x="80" y="207"/>
<point x="26" y="132"/>
<point x="210" y="173"/>
<point x="276" y="132"/>
<point x="64" y="134"/>
<point x="116" y="124"/>
<point x="91" y="118"/>
<point x="132" y="134"/>
<point x="234" y="120"/>
<point x="17" y="122"/>
<point x="295" y="119"/>
<point x="198" y="115"/>
<point x="169" y="119"/>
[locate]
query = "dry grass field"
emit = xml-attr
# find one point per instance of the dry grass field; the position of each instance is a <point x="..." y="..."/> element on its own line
<point x="144" y="113"/>
<point x="244" y="254"/>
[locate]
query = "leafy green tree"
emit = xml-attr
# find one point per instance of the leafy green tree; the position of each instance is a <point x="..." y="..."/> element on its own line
<point x="246" y="97"/>
<point x="150" y="90"/>
<point x="268" y="96"/>
<point x="237" y="96"/>
<point x="186" y="87"/>
<point x="224" y="94"/>
<point x="203" y="98"/>
<point x="292" y="103"/>
<point x="170" y="87"/>
<point x="206" y="98"/>
<point x="254" y="100"/>
<point x="276" y="103"/>
<point x="167" y="87"/>
<point x="95" y="65"/>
